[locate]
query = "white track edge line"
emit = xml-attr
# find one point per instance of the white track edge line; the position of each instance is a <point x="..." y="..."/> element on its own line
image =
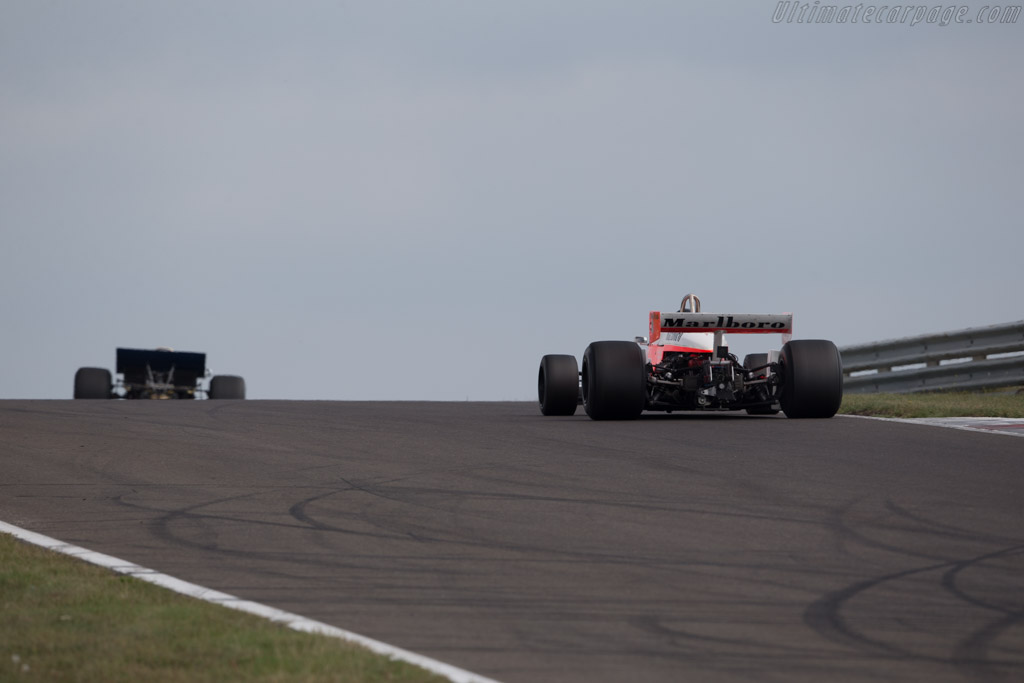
<point x="917" y="421"/>
<point x="292" y="621"/>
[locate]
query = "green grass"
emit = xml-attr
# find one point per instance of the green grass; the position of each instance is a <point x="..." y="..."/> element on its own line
<point x="951" y="404"/>
<point x="62" y="619"/>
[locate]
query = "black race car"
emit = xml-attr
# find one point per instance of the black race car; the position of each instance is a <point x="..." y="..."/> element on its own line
<point x="158" y="374"/>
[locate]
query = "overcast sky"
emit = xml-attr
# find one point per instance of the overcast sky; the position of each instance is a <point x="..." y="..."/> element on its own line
<point x="418" y="199"/>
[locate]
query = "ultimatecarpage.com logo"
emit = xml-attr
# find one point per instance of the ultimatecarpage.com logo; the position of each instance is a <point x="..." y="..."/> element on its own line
<point x="789" y="12"/>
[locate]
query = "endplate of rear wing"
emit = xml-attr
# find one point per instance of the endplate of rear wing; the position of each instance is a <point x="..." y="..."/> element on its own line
<point x="733" y="323"/>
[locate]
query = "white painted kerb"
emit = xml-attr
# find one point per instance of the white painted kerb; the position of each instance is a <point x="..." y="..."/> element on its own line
<point x="292" y="621"/>
<point x="988" y="425"/>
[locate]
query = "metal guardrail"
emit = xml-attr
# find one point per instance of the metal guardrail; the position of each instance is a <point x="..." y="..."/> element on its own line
<point x="960" y="360"/>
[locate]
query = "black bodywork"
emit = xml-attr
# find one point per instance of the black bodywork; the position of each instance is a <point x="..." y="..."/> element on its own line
<point x="160" y="374"/>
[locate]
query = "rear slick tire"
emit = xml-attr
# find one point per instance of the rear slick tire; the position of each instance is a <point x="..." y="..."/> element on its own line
<point x="558" y="385"/>
<point x="93" y="383"/>
<point x="812" y="379"/>
<point x="614" y="382"/>
<point x="227" y="387"/>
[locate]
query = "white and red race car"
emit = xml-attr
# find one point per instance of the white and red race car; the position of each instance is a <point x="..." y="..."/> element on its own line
<point x="685" y="364"/>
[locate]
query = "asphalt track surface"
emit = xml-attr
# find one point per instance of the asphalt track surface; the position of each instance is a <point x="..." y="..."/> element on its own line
<point x="681" y="547"/>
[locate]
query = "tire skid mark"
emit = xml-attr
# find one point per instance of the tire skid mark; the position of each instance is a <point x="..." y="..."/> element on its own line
<point x="299" y="511"/>
<point x="825" y="616"/>
<point x="162" y="527"/>
<point x="949" y="580"/>
<point x="440" y="500"/>
<point x="971" y="654"/>
<point x="949" y="530"/>
<point x="845" y="533"/>
<point x="470" y="539"/>
<point x="697" y="641"/>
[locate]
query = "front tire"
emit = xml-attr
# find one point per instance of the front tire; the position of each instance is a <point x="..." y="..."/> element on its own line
<point x="614" y="381"/>
<point x="227" y="387"/>
<point x="558" y="385"/>
<point x="93" y="383"/>
<point x="812" y="378"/>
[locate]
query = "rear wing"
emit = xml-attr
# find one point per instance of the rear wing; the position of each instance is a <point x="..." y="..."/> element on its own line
<point x="718" y="323"/>
<point x="134" y="360"/>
